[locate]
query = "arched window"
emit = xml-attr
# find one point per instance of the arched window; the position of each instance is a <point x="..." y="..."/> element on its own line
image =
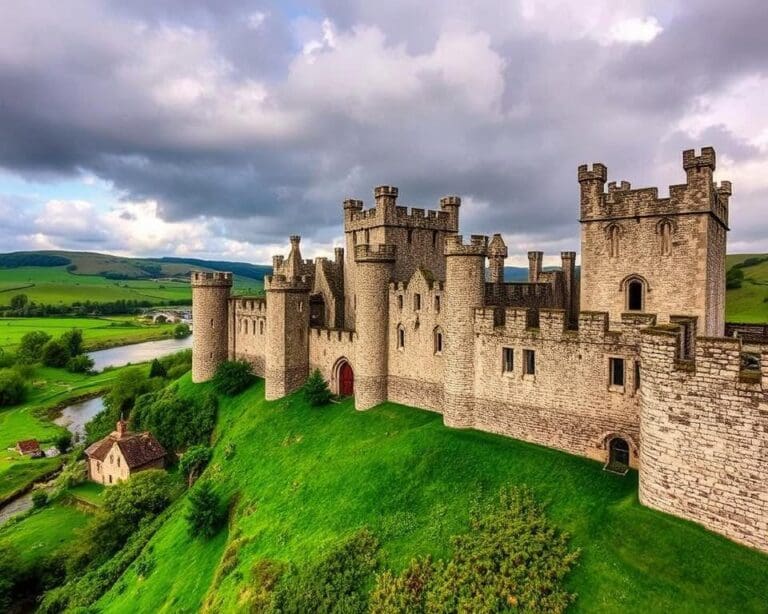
<point x="438" y="340"/>
<point x="618" y="455"/>
<point x="635" y="295"/>
<point x="400" y="337"/>
<point x="613" y="241"/>
<point x="665" y="230"/>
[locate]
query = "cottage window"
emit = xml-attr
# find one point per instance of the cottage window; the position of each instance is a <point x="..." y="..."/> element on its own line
<point x="529" y="360"/>
<point x="617" y="371"/>
<point x="110" y="479"/>
<point x="118" y="461"/>
<point x="508" y="360"/>
<point x="111" y="459"/>
<point x="417" y="302"/>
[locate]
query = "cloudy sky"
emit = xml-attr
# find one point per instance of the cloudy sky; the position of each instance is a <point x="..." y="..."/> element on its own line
<point x="216" y="128"/>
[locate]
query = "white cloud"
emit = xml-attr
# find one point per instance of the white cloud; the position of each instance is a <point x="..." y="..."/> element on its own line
<point x="635" y="30"/>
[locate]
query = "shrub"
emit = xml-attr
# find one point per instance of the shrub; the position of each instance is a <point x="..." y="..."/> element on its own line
<point x="18" y="302"/>
<point x="39" y="499"/>
<point x="64" y="442"/>
<point x="31" y="346"/>
<point x="13" y="390"/>
<point x="194" y="461"/>
<point x="512" y="558"/>
<point x="73" y="341"/>
<point x="316" y="391"/>
<point x="55" y="354"/>
<point x="204" y="515"/>
<point x="182" y="331"/>
<point x="157" y="369"/>
<point x="232" y="377"/>
<point x="80" y="364"/>
<point x="336" y="583"/>
<point x="734" y="278"/>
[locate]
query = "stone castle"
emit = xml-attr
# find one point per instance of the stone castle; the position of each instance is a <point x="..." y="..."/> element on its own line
<point x="625" y="363"/>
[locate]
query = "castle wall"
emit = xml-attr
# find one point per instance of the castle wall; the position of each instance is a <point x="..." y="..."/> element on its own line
<point x="327" y="347"/>
<point x="248" y="331"/>
<point x="703" y="431"/>
<point x="569" y="402"/>
<point x="416" y="370"/>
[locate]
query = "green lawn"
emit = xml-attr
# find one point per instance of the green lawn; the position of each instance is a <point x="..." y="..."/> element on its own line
<point x="98" y="333"/>
<point x="88" y="492"/>
<point x="306" y="476"/>
<point x="50" y="388"/>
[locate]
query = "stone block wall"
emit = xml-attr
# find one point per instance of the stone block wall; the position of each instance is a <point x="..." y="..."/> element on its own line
<point x="704" y="432"/>
<point x="210" y="322"/>
<point x="248" y="331"/>
<point x="327" y="347"/>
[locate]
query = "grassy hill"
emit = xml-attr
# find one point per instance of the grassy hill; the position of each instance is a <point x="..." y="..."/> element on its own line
<point x="62" y="278"/>
<point x="301" y="478"/>
<point x="749" y="304"/>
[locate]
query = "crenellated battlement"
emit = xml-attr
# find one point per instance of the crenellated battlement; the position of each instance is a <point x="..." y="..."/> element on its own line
<point x="706" y="159"/>
<point x="598" y="172"/>
<point x="211" y="279"/>
<point x="281" y="283"/>
<point x="248" y="305"/>
<point x="375" y="253"/>
<point x="477" y="246"/>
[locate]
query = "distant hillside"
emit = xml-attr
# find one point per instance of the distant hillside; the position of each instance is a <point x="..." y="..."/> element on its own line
<point x="749" y="302"/>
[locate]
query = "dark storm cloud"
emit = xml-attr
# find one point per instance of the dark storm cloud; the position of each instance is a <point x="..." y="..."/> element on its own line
<point x="212" y="109"/>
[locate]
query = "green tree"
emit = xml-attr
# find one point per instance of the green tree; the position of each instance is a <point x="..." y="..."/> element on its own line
<point x="316" y="391"/>
<point x="194" y="461"/>
<point x="734" y="278"/>
<point x="64" y="442"/>
<point x="31" y="346"/>
<point x="129" y="385"/>
<point x="181" y="331"/>
<point x="12" y="388"/>
<point x="55" y="354"/>
<point x="232" y="377"/>
<point x="19" y="301"/>
<point x="80" y="364"/>
<point x="157" y="369"/>
<point x="204" y="515"/>
<point x="73" y="341"/>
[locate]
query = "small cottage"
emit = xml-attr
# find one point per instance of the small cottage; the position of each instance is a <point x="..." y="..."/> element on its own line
<point x="121" y="454"/>
<point x="30" y="448"/>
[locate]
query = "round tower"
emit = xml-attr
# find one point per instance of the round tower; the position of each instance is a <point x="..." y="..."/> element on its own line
<point x="464" y="292"/>
<point x="374" y="272"/>
<point x="210" y="317"/>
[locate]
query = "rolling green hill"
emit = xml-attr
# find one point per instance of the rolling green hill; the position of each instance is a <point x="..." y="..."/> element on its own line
<point x="302" y="478"/>
<point x="749" y="303"/>
<point x="63" y="278"/>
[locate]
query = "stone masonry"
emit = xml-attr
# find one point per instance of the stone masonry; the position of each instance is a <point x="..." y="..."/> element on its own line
<point x="625" y="364"/>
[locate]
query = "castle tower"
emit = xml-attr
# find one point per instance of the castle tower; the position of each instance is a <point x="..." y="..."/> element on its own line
<point x="286" y="356"/>
<point x="451" y="204"/>
<point x="570" y="287"/>
<point x="374" y="265"/>
<point x="464" y="292"/>
<point x="210" y="315"/>
<point x="497" y="253"/>
<point x="665" y="256"/>
<point x="535" y="260"/>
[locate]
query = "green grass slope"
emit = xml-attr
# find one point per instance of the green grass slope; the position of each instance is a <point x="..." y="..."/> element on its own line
<point x="303" y="477"/>
<point x="749" y="304"/>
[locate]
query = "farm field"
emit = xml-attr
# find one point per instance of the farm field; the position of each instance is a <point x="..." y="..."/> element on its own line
<point x="306" y="477"/>
<point x="98" y="333"/>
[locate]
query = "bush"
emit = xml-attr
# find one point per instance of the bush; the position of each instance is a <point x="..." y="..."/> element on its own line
<point x="39" y="499"/>
<point x="55" y="354"/>
<point x="73" y="341"/>
<point x="64" y="442"/>
<point x="80" y="364"/>
<point x="13" y="390"/>
<point x="232" y="377"/>
<point x="18" y="302"/>
<point x="335" y="584"/>
<point x="182" y="331"/>
<point x="204" y="515"/>
<point x="316" y="391"/>
<point x="194" y="461"/>
<point x="31" y="346"/>
<point x="734" y="278"/>
<point x="157" y="369"/>
<point x="512" y="558"/>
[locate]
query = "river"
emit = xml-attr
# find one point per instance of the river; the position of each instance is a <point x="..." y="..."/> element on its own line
<point x="137" y="352"/>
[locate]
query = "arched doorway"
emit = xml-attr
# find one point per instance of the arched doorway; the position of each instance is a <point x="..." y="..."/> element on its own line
<point x="618" y="455"/>
<point x="346" y="379"/>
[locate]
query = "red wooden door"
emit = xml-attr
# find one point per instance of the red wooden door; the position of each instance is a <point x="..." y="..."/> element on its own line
<point x="346" y="380"/>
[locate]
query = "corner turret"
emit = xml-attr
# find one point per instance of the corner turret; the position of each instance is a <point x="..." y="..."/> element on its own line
<point x="210" y="319"/>
<point x="451" y="204"/>
<point x="592" y="182"/>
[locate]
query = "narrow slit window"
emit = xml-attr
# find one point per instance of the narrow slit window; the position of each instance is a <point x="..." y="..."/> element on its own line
<point x="399" y="301"/>
<point x="400" y="337"/>
<point x="617" y="371"/>
<point x="529" y="358"/>
<point x="438" y="341"/>
<point x="417" y="302"/>
<point x="508" y="360"/>
<point x="437" y="304"/>
<point x="637" y="375"/>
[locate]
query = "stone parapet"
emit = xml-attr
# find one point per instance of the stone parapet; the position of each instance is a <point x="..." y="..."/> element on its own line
<point x="455" y="246"/>
<point x="375" y="253"/>
<point x="211" y="279"/>
<point x="281" y="283"/>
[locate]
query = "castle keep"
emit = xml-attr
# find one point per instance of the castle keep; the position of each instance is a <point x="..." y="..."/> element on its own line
<point x="626" y="364"/>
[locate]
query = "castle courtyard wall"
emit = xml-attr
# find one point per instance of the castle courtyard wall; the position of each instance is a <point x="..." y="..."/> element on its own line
<point x="327" y="347"/>
<point x="248" y="331"/>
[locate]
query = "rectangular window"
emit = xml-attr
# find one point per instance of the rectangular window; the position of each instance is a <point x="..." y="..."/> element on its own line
<point x="529" y="358"/>
<point x="508" y="359"/>
<point x="437" y="304"/>
<point x="617" y="371"/>
<point x="417" y="302"/>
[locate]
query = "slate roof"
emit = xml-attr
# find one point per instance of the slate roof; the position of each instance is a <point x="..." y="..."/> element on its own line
<point x="137" y="448"/>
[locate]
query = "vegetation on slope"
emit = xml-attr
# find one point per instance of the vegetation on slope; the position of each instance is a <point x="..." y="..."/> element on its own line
<point x="301" y="480"/>
<point x="747" y="295"/>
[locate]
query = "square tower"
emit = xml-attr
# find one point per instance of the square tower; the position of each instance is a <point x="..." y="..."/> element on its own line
<point x="642" y="253"/>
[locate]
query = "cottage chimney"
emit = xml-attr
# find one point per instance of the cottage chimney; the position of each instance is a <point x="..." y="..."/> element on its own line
<point x="121" y="428"/>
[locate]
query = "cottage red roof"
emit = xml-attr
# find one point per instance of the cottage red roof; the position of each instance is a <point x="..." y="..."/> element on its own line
<point x="28" y="446"/>
<point x="137" y="448"/>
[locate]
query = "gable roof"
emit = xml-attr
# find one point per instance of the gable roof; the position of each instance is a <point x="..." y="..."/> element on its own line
<point x="138" y="449"/>
<point x="28" y="446"/>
